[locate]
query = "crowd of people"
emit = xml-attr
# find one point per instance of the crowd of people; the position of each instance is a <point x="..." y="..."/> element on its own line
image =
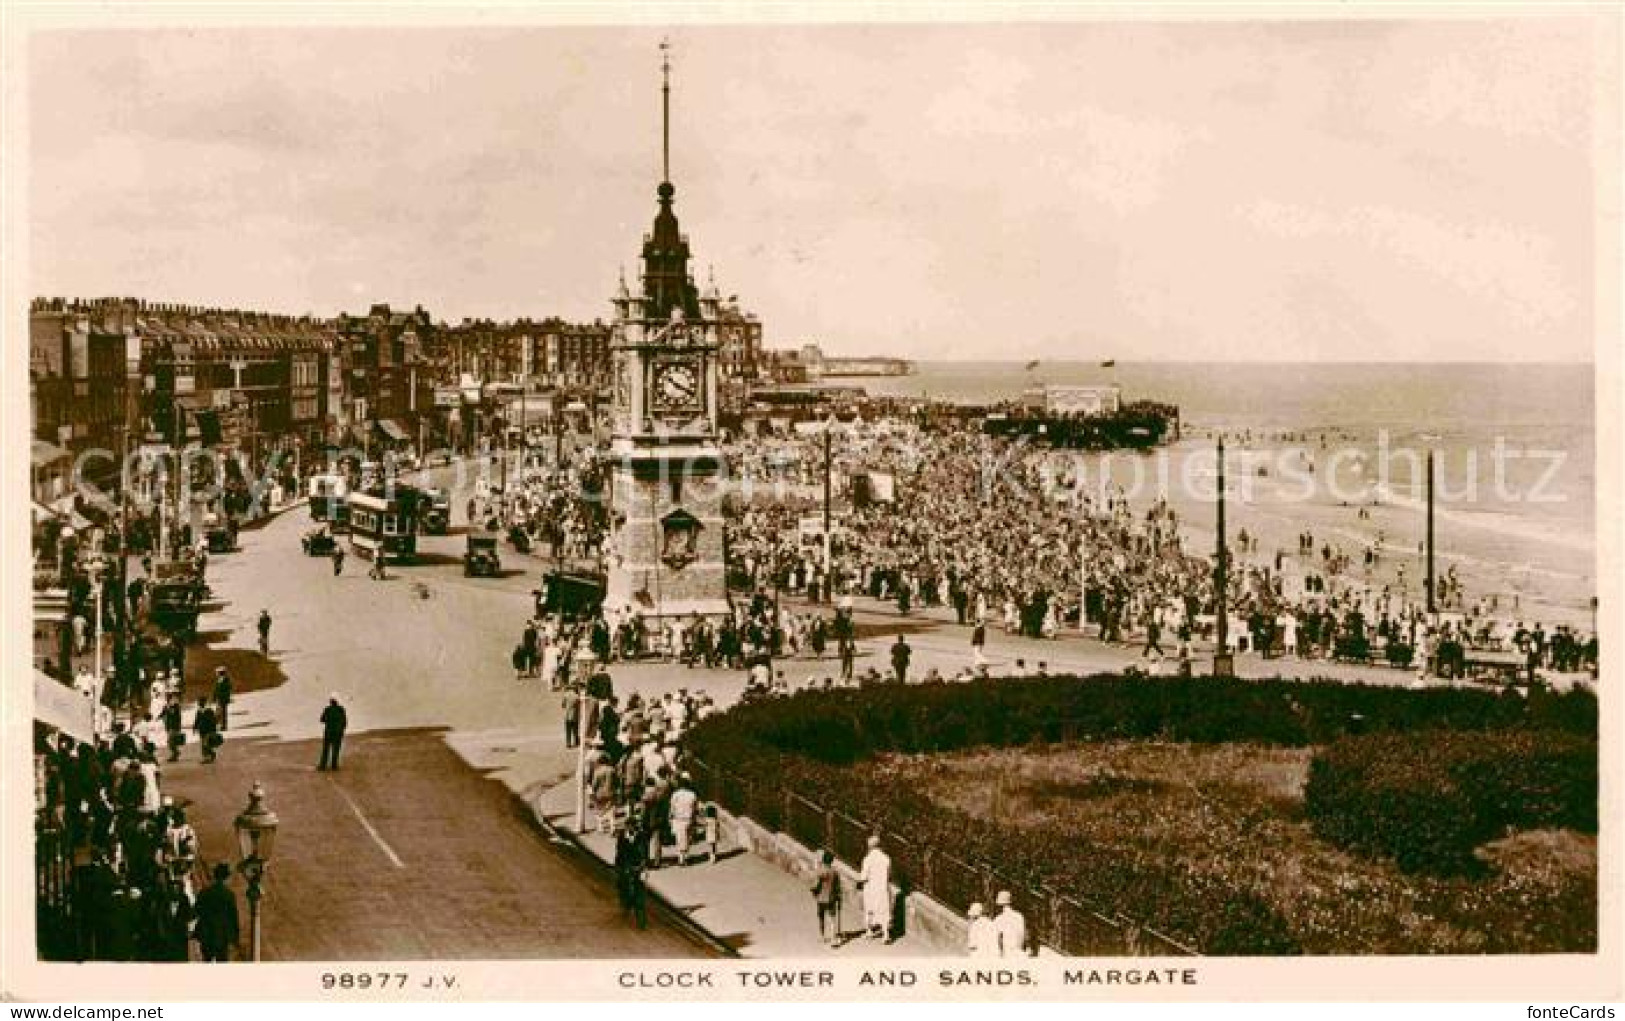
<point x="555" y="504"/>
<point x="1015" y="537"/>
<point x="135" y="892"/>
<point x="636" y="787"/>
<point x="133" y="888"/>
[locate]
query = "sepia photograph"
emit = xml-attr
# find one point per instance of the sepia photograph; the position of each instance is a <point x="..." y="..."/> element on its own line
<point x="1033" y="504"/>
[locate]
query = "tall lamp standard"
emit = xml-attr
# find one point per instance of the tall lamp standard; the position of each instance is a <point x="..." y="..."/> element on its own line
<point x="256" y="835"/>
<point x="1224" y="662"/>
<point x="829" y="562"/>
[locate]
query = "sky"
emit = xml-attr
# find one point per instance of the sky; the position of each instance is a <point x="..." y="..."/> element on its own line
<point x="1285" y="191"/>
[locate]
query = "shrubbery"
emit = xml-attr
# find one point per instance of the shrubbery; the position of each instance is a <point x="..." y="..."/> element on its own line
<point x="847" y="725"/>
<point x="803" y="744"/>
<point x="1428" y="799"/>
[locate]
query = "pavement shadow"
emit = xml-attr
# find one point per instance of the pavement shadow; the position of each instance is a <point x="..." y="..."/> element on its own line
<point x="435" y="560"/>
<point x="248" y="669"/>
<point x="893" y="628"/>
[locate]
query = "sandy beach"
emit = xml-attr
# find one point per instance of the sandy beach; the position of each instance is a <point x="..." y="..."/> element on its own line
<point x="1536" y="571"/>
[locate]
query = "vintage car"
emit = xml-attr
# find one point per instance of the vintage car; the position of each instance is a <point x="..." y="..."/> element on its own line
<point x="437" y="518"/>
<point x="318" y="542"/>
<point x="173" y="606"/>
<point x="572" y="595"/>
<point x="481" y="556"/>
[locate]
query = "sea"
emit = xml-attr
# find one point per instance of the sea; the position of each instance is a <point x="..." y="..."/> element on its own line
<point x="1514" y="446"/>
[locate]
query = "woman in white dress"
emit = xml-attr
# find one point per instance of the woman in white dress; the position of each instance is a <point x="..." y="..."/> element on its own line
<point x="550" y="664"/>
<point x="152" y="799"/>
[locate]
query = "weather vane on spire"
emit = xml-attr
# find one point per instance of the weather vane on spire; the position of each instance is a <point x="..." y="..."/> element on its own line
<point x="665" y="109"/>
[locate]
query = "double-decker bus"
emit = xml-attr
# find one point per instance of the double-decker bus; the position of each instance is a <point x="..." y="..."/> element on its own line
<point x="328" y="494"/>
<point x="385" y="518"/>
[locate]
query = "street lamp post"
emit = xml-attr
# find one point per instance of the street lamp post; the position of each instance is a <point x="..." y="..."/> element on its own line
<point x="1224" y="662"/>
<point x="101" y="583"/>
<point x="256" y="835"/>
<point x="829" y="565"/>
<point x="581" y="759"/>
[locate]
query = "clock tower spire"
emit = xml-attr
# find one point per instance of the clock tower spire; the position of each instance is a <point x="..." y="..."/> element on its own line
<point x="665" y="109"/>
<point x="666" y="283"/>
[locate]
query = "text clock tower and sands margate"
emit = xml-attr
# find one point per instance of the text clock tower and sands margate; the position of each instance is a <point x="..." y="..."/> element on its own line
<point x="666" y="556"/>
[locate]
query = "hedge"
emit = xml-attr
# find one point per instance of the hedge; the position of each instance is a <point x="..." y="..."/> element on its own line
<point x="848" y="725"/>
<point x="804" y="743"/>
<point x="1427" y="800"/>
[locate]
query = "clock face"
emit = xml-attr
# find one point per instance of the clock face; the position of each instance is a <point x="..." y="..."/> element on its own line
<point x="676" y="387"/>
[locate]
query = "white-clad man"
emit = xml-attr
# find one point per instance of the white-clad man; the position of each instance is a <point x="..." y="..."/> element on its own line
<point x="1011" y="928"/>
<point x="874" y="879"/>
<point x="981" y="940"/>
<point x="683" y="803"/>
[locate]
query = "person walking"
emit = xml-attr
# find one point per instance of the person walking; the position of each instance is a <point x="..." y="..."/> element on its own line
<point x="1011" y="927"/>
<point x="174" y="729"/>
<point x="222" y="696"/>
<point x="264" y="627"/>
<point x="981" y="939"/>
<point x="217" y="926"/>
<point x="572" y="718"/>
<point x="713" y="831"/>
<point x="601" y="782"/>
<point x="338" y="560"/>
<point x="1153" y="635"/>
<point x="826" y="892"/>
<point x="874" y="879"/>
<point x="900" y="655"/>
<point x="681" y="808"/>
<point x="631" y="875"/>
<point x="334" y="721"/>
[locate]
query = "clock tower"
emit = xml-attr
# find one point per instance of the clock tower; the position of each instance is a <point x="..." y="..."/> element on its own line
<point x="667" y="478"/>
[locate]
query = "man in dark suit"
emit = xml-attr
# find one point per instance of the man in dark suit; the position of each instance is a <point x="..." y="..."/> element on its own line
<point x="207" y="727"/>
<point x="631" y="871"/>
<point x="900" y="655"/>
<point x="334" y="722"/>
<point x="216" y="913"/>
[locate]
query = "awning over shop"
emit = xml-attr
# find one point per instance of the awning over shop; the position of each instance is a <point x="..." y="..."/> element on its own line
<point x="62" y="510"/>
<point x="47" y="453"/>
<point x="393" y="429"/>
<point x="57" y="705"/>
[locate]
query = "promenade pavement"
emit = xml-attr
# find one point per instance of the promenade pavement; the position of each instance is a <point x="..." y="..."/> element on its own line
<point x="749" y="904"/>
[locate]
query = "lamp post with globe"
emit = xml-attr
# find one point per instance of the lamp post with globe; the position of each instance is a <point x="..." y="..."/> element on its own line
<point x="256" y="836"/>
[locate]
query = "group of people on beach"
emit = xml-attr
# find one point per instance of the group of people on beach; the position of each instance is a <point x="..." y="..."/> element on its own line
<point x="1012" y="536"/>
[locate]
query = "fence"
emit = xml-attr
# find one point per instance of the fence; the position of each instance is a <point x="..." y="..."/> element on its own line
<point x="1054" y="918"/>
